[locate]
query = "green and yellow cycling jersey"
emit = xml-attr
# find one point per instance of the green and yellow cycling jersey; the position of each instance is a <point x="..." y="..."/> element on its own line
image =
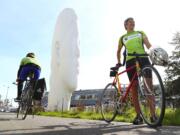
<point x="29" y="60"/>
<point x="133" y="42"/>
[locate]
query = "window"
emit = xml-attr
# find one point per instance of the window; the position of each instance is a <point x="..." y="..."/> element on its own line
<point x="89" y="96"/>
<point x="95" y="96"/>
<point x="82" y="97"/>
<point x="77" y="97"/>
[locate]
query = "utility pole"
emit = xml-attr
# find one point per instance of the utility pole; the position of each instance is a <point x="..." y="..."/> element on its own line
<point x="6" y="99"/>
<point x="0" y="101"/>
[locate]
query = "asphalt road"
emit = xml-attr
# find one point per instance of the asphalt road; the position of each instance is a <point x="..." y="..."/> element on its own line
<point x="40" y="125"/>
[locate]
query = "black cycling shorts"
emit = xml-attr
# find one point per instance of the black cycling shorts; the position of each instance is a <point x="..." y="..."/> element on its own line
<point x="143" y="62"/>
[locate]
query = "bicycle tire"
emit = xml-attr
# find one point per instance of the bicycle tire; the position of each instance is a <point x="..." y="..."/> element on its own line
<point x="108" y="102"/>
<point x="151" y="96"/>
<point x="26" y="100"/>
<point x="20" y="103"/>
<point x="17" y="112"/>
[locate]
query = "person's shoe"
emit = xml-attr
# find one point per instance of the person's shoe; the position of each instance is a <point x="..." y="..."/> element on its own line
<point x="138" y="120"/>
<point x="17" y="99"/>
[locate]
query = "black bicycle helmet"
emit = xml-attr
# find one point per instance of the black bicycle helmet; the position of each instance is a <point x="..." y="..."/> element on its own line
<point x="31" y="54"/>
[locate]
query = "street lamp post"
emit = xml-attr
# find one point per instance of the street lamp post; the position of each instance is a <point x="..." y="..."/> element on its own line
<point x="6" y="98"/>
<point x="7" y="92"/>
<point x="7" y="101"/>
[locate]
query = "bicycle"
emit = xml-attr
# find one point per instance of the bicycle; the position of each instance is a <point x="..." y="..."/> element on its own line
<point x="151" y="95"/>
<point x="25" y="104"/>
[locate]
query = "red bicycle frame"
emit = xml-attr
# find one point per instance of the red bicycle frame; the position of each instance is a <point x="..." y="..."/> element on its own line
<point x="117" y="81"/>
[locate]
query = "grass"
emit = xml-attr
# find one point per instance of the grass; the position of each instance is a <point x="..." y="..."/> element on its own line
<point x="172" y="116"/>
<point x="73" y="114"/>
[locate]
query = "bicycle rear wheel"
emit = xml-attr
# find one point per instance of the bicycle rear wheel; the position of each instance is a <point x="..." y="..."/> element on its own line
<point x="108" y="102"/>
<point x="21" y="107"/>
<point x="151" y="96"/>
<point x="25" y="103"/>
<point x="17" y="112"/>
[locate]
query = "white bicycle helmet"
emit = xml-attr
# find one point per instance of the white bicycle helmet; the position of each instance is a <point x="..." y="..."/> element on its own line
<point x="159" y="56"/>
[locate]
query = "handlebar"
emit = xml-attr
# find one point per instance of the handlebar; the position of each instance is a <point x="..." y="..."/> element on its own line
<point x="15" y="83"/>
<point x="116" y="68"/>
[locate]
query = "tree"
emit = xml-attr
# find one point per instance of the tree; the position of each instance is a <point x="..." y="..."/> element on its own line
<point x="172" y="79"/>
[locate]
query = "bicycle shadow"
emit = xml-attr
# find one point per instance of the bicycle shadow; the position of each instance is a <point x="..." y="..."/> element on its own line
<point x="12" y="116"/>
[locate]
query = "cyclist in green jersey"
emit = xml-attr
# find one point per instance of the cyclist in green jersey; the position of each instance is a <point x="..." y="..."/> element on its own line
<point x="133" y="42"/>
<point x="29" y="64"/>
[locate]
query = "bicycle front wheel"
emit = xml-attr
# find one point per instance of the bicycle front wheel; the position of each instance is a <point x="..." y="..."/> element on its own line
<point x="24" y="106"/>
<point x="151" y="96"/>
<point x="108" y="102"/>
<point x="25" y="103"/>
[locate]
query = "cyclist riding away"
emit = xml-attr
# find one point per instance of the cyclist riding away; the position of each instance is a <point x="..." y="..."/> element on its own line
<point x="28" y="65"/>
<point x="133" y="41"/>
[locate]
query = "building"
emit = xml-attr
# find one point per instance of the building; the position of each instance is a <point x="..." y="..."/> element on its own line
<point x="89" y="97"/>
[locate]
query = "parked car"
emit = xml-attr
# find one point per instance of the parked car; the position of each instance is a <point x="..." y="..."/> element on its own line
<point x="13" y="109"/>
<point x="2" y="110"/>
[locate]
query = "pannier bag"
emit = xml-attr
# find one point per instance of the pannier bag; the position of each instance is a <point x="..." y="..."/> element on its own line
<point x="39" y="89"/>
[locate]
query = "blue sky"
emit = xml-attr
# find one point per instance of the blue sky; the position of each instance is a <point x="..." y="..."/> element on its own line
<point x="28" y="25"/>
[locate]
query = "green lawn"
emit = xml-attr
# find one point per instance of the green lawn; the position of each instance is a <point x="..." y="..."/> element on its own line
<point x="172" y="116"/>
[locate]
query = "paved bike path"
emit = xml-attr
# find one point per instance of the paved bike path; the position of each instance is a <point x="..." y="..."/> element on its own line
<point x="40" y="125"/>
